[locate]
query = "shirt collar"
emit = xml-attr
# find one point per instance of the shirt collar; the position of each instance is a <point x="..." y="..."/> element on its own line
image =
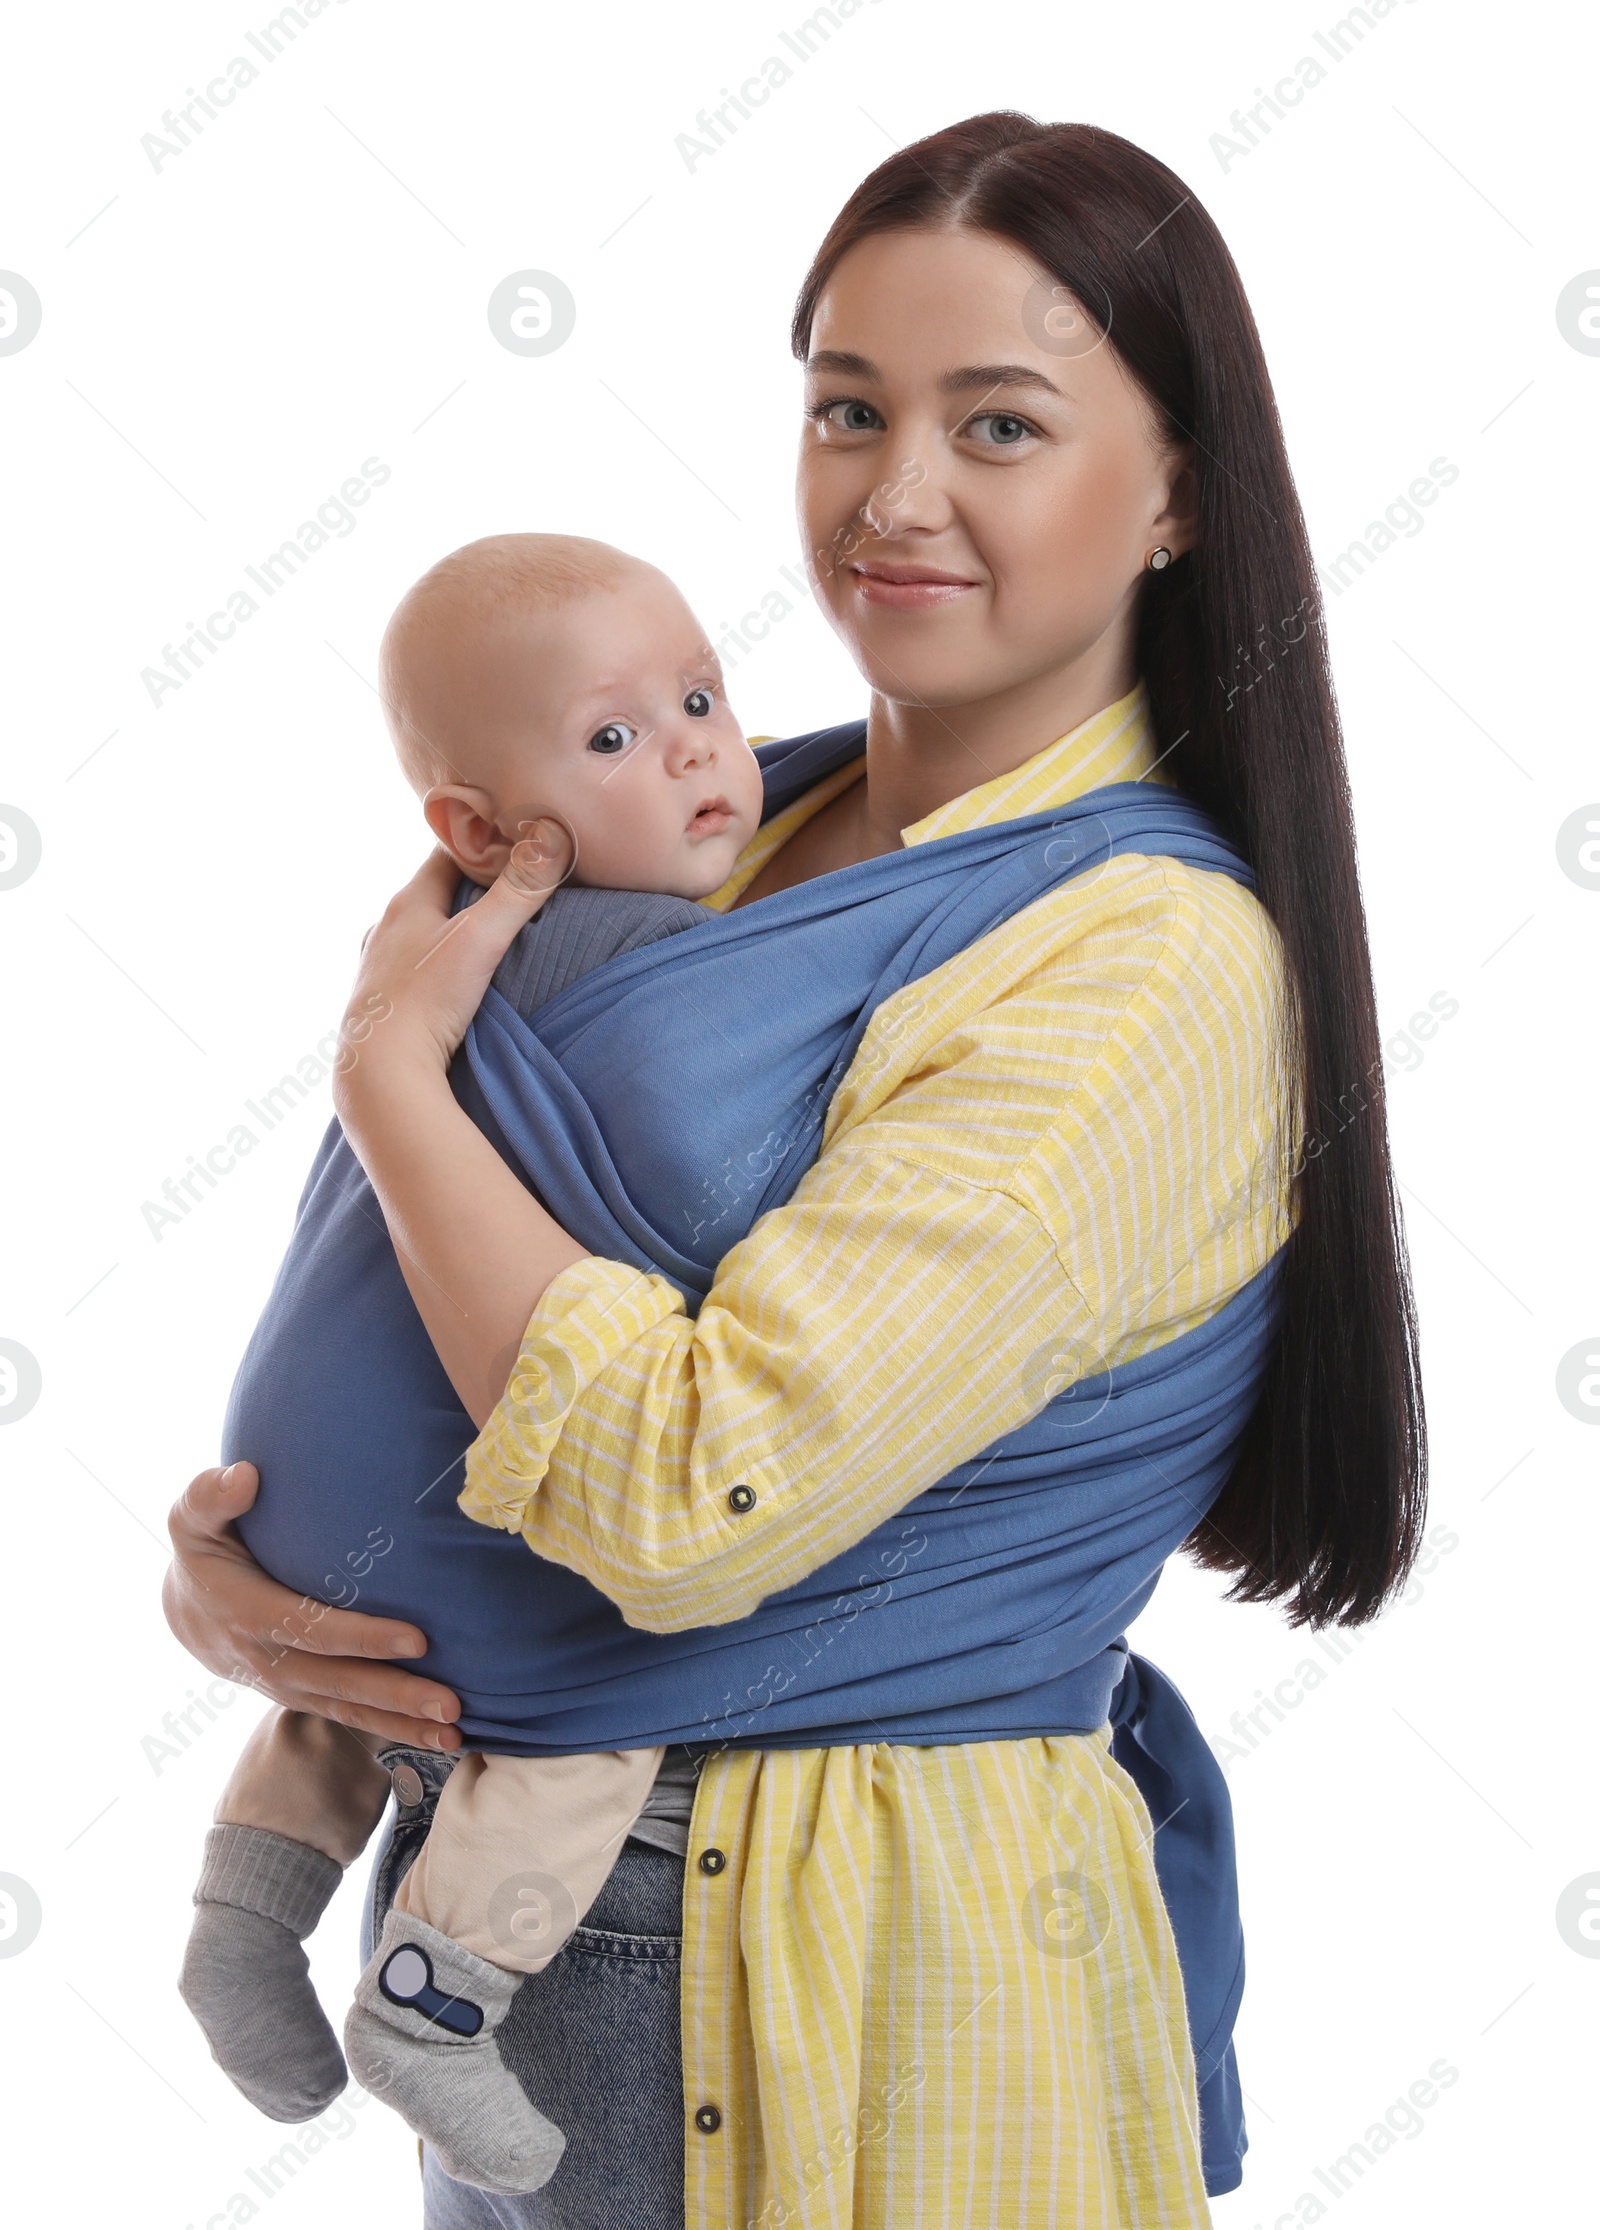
<point x="1116" y="745"/>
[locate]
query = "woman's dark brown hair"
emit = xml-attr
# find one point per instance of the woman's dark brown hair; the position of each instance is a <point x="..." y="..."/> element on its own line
<point x="1325" y="1503"/>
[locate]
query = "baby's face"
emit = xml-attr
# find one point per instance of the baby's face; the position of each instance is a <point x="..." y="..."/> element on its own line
<point x="609" y="715"/>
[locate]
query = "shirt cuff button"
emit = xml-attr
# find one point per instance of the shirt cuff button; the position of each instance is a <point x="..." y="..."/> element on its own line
<point x="713" y="1861"/>
<point x="741" y="1498"/>
<point x="708" y="2120"/>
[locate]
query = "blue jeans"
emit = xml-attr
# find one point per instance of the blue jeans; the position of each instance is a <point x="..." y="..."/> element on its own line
<point x="594" y="2040"/>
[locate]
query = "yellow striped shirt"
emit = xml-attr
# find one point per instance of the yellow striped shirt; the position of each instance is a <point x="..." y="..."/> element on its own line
<point x="1064" y="1147"/>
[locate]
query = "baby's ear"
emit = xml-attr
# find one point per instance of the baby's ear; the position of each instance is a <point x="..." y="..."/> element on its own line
<point x="463" y="819"/>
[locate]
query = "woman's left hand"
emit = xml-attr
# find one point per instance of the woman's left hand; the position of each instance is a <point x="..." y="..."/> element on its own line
<point x="424" y="971"/>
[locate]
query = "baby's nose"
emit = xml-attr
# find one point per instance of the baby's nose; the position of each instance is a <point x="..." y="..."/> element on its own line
<point x="690" y="744"/>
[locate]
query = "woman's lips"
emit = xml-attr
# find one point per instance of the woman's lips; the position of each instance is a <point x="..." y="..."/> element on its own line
<point x="908" y="588"/>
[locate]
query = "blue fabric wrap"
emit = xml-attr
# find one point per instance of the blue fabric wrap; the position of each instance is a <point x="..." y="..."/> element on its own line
<point x="659" y="1106"/>
<point x="1155" y="1740"/>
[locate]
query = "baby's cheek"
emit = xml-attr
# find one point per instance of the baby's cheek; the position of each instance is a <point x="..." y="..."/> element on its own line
<point x="627" y="846"/>
<point x="746" y="792"/>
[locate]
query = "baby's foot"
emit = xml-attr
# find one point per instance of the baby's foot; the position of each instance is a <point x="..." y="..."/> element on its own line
<point x="421" y="2036"/>
<point x="245" y="1978"/>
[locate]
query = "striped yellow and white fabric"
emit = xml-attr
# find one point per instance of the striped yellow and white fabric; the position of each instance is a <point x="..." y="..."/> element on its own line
<point x="1080" y="1124"/>
<point x="934" y="1989"/>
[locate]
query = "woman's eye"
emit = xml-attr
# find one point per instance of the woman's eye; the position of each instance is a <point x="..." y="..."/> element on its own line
<point x="849" y="416"/>
<point x="616" y="735"/>
<point x="1005" y="429"/>
<point x="698" y="704"/>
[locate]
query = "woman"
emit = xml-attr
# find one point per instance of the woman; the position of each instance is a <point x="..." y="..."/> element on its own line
<point x="1048" y="509"/>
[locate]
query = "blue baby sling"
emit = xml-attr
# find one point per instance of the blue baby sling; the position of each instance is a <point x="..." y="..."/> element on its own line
<point x="659" y="1106"/>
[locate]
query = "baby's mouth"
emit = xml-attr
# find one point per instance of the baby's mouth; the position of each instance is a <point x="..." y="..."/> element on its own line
<point x="712" y="818"/>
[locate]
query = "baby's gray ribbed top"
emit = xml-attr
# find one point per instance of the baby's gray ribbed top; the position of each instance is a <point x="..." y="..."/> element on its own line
<point x="577" y="929"/>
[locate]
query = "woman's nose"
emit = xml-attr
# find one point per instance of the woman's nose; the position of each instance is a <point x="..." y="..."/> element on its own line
<point x="910" y="496"/>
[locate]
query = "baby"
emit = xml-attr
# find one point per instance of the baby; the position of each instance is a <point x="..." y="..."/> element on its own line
<point x="526" y="678"/>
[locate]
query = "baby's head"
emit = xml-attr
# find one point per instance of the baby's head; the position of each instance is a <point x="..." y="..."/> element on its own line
<point x="533" y="676"/>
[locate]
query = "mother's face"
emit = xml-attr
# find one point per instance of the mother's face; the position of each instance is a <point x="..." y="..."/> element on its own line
<point x="980" y="479"/>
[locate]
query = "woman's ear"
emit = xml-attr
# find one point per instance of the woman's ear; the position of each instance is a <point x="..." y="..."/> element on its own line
<point x="1179" y="524"/>
<point x="463" y="819"/>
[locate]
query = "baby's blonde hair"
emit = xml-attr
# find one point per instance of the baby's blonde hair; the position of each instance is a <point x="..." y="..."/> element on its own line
<point x="466" y="590"/>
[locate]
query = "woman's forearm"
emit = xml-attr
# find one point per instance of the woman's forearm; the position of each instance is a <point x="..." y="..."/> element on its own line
<point x="476" y="1248"/>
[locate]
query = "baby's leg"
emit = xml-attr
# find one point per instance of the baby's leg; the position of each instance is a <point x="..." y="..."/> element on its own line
<point x="304" y="1778"/>
<point x="302" y="1801"/>
<point x="518" y="1850"/>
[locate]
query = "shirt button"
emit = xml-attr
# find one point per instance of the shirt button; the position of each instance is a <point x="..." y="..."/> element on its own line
<point x="741" y="1498"/>
<point x="713" y="1861"/>
<point x="707" y="2120"/>
<point x="406" y="1782"/>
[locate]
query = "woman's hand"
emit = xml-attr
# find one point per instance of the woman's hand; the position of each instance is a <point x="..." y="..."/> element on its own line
<point x="245" y="1627"/>
<point x="424" y="971"/>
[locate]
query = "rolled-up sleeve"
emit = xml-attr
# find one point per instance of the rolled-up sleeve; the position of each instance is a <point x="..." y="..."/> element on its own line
<point x="593" y="1311"/>
<point x="1064" y="1147"/>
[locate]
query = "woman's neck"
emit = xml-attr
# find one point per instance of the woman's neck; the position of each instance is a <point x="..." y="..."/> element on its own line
<point x="919" y="757"/>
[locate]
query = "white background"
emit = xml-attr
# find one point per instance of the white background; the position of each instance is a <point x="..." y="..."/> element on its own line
<point x="223" y="342"/>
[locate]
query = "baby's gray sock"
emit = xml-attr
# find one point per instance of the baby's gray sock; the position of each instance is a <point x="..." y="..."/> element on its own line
<point x="245" y="1978"/>
<point x="421" y="2036"/>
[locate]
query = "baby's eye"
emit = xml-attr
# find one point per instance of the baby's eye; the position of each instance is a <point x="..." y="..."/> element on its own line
<point x="615" y="736"/>
<point x="698" y="704"/>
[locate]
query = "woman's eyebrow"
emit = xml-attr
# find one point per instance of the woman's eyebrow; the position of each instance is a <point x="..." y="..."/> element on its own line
<point x="842" y="360"/>
<point x="966" y="380"/>
<point x="987" y="376"/>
